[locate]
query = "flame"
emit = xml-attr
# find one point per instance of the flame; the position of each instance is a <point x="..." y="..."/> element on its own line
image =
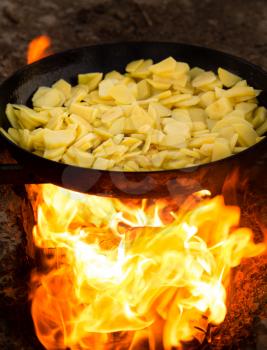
<point x="118" y="274"/>
<point x="38" y="48"/>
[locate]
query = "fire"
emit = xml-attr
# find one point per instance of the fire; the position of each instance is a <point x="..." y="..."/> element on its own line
<point x="120" y="274"/>
<point x="38" y="48"/>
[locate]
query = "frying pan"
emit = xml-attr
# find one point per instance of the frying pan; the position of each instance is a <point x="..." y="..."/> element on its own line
<point x="30" y="168"/>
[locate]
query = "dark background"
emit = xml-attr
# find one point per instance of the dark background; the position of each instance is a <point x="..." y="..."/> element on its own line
<point x="235" y="26"/>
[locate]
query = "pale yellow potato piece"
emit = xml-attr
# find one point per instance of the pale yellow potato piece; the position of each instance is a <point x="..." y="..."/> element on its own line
<point x="143" y="69"/>
<point x="103" y="164"/>
<point x="262" y="129"/>
<point x="161" y="110"/>
<point x="180" y="83"/>
<point x="82" y="158"/>
<point x="105" y="86"/>
<point x="143" y="90"/>
<point x="207" y="98"/>
<point x="206" y="149"/>
<point x="181" y="114"/>
<point x="56" y="122"/>
<point x="212" y="86"/>
<point x="131" y="165"/>
<point x="117" y="126"/>
<point x="159" y="85"/>
<point x="194" y="72"/>
<point x="122" y="94"/>
<point x="63" y="86"/>
<point x="133" y="66"/>
<point x="60" y="138"/>
<point x="11" y="116"/>
<point x="157" y="137"/>
<point x="48" y="97"/>
<point x="37" y="137"/>
<point x="220" y="150"/>
<point x="204" y="78"/>
<point x="199" y="126"/>
<point x="86" y="142"/>
<point x="140" y="118"/>
<point x="81" y="125"/>
<point x="246" y="107"/>
<point x="194" y="100"/>
<point x="157" y="159"/>
<point x="259" y="117"/>
<point x="87" y="112"/>
<point x="227" y="78"/>
<point x="165" y="66"/>
<point x="14" y="134"/>
<point x="219" y="109"/>
<point x="247" y="136"/>
<point x="54" y="154"/>
<point x="29" y="118"/>
<point x="115" y="75"/>
<point x="25" y="139"/>
<point x="78" y="93"/>
<point x="240" y="91"/>
<point x="175" y="99"/>
<point x="111" y="115"/>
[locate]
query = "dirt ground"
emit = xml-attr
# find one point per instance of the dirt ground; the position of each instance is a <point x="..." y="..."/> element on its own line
<point x="238" y="27"/>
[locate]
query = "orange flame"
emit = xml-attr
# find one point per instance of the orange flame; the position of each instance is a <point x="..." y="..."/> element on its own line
<point x="38" y="48"/>
<point x="117" y="275"/>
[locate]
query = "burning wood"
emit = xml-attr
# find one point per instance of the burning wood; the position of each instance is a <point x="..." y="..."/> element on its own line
<point x="163" y="277"/>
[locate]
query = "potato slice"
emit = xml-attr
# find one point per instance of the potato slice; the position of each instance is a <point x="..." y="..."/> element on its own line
<point x="143" y="90"/>
<point x="219" y="109"/>
<point x="134" y="65"/>
<point x="142" y="70"/>
<point x="227" y="78"/>
<point x="48" y="97"/>
<point x="90" y="79"/>
<point x="262" y="129"/>
<point x="63" y="86"/>
<point x="54" y="154"/>
<point x="259" y="117"/>
<point x="204" y="78"/>
<point x="11" y="116"/>
<point x="246" y="134"/>
<point x="60" y="138"/>
<point x="122" y="94"/>
<point x="220" y="150"/>
<point x="155" y="116"/>
<point x="103" y="164"/>
<point x="165" y="66"/>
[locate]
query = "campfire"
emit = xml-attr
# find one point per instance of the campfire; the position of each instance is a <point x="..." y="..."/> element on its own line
<point x="125" y="274"/>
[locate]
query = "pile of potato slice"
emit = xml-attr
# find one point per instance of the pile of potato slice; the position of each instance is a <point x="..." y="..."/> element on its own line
<point x="153" y="117"/>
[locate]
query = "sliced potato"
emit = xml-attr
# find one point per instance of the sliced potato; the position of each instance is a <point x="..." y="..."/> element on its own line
<point x="227" y="78"/>
<point x="155" y="116"/>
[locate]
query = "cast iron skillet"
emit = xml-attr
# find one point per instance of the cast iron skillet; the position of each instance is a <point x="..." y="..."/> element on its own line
<point x="33" y="169"/>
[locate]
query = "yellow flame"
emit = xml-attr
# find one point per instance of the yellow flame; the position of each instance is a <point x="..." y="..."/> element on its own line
<point x="111" y="266"/>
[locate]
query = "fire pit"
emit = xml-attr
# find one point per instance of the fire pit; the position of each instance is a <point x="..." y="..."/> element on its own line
<point x="36" y="266"/>
<point x="133" y="274"/>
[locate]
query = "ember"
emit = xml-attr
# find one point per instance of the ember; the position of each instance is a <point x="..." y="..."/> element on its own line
<point x="113" y="266"/>
<point x="38" y="48"/>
